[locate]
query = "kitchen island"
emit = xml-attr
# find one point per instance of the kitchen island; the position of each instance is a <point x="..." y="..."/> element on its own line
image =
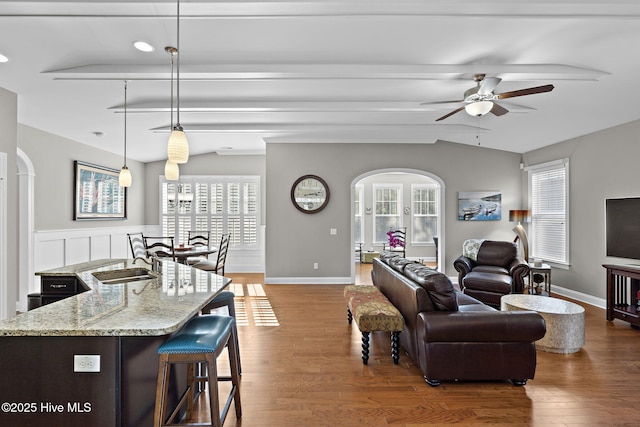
<point x="91" y="359"/>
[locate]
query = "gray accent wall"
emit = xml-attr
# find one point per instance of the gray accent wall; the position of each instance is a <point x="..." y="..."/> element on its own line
<point x="295" y="241"/>
<point x="601" y="165"/>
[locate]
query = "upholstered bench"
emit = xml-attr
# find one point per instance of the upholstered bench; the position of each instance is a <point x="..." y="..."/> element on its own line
<point x="372" y="311"/>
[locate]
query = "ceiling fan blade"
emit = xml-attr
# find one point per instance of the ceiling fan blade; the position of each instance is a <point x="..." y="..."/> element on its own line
<point x="488" y="84"/>
<point x="522" y="92"/>
<point x="442" y="102"/>
<point x="457" y="110"/>
<point x="498" y="110"/>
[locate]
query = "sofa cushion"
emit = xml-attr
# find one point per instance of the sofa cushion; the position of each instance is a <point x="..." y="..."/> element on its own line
<point x="437" y="285"/>
<point x="498" y="253"/>
<point x="398" y="263"/>
<point x="488" y="282"/>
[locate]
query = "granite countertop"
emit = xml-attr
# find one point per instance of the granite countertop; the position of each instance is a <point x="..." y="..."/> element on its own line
<point x="152" y="307"/>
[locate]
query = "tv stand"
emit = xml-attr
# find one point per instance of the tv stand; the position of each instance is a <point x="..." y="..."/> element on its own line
<point x="623" y="285"/>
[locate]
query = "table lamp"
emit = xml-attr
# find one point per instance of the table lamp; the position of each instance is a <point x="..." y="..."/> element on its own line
<point x="520" y="216"/>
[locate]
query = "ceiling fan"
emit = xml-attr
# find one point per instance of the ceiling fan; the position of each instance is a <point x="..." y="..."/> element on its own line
<point x="480" y="100"/>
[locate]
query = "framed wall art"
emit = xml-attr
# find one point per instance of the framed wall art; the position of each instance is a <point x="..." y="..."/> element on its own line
<point x="98" y="194"/>
<point x="479" y="205"/>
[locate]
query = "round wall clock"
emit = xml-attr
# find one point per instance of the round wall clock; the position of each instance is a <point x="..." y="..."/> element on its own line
<point x="310" y="194"/>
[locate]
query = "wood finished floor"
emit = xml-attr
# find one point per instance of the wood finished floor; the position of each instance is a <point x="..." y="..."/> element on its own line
<point x="302" y="367"/>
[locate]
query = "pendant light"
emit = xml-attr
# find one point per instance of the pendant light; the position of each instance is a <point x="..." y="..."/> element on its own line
<point x="124" y="179"/>
<point x="171" y="171"/>
<point x="178" y="146"/>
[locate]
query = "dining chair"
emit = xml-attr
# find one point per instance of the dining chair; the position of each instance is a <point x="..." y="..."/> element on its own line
<point x="160" y="247"/>
<point x="136" y="242"/>
<point x="198" y="238"/>
<point x="216" y="267"/>
<point x="397" y="241"/>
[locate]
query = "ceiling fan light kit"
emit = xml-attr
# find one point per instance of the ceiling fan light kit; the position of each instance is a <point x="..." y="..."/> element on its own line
<point x="478" y="108"/>
<point x="480" y="99"/>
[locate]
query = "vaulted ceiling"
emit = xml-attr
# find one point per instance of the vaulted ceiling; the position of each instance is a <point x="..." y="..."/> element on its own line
<point x="319" y="71"/>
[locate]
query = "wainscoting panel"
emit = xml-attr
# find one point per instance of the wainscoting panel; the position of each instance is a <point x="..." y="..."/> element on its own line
<point x="78" y="249"/>
<point x="101" y="246"/>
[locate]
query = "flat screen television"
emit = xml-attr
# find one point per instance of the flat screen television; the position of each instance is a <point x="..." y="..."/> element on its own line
<point x="623" y="227"/>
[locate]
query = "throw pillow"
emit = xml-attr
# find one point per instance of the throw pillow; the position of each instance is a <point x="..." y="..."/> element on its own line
<point x="437" y="285"/>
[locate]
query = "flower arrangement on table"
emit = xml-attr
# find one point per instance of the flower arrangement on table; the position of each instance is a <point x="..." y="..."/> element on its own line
<point x="395" y="241"/>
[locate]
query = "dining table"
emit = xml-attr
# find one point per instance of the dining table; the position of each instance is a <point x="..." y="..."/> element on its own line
<point x="184" y="252"/>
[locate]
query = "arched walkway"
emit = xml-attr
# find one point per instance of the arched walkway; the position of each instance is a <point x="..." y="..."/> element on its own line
<point x="441" y="206"/>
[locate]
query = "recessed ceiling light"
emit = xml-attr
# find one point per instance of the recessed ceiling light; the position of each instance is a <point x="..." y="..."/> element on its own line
<point x="143" y="46"/>
<point x="3" y="58"/>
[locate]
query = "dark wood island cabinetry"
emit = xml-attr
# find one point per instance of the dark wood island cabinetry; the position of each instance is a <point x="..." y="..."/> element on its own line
<point x="89" y="357"/>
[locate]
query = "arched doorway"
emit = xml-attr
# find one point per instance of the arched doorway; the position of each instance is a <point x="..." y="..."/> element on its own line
<point x="26" y="176"/>
<point x="399" y="178"/>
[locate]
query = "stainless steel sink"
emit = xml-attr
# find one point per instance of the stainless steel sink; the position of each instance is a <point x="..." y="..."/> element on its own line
<point x="125" y="275"/>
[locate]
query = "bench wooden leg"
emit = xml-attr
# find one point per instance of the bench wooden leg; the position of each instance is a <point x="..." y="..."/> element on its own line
<point x="365" y="348"/>
<point x="395" y="346"/>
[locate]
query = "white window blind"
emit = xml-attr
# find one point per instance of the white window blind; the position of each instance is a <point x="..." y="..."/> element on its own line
<point x="548" y="195"/>
<point x="220" y="204"/>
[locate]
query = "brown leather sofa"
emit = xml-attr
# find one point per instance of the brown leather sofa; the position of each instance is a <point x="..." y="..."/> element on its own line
<point x="452" y="336"/>
<point x="493" y="271"/>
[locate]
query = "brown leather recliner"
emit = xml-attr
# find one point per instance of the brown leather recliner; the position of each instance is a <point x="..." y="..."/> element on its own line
<point x="492" y="271"/>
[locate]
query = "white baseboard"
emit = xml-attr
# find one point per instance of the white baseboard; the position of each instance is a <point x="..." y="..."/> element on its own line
<point x="308" y="281"/>
<point x="579" y="296"/>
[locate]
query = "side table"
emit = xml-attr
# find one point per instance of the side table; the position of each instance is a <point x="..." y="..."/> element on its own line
<point x="369" y="256"/>
<point x="545" y="271"/>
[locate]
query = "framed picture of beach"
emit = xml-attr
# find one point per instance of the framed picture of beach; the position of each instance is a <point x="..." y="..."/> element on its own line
<point x="479" y="205"/>
<point x="98" y="194"/>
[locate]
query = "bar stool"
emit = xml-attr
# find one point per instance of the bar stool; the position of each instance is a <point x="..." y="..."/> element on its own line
<point x="201" y="340"/>
<point x="226" y="299"/>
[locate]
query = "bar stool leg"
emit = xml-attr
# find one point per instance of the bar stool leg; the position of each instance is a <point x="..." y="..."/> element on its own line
<point x="214" y="398"/>
<point x="234" y="362"/>
<point x="162" y="389"/>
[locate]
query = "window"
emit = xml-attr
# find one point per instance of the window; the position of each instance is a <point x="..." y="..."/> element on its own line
<point x="359" y="223"/>
<point x="548" y="195"/>
<point x="387" y="202"/>
<point x="219" y="204"/>
<point x="425" y="213"/>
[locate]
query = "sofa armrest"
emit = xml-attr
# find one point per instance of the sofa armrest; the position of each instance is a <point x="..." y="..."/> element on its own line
<point x="491" y="326"/>
<point x="518" y="270"/>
